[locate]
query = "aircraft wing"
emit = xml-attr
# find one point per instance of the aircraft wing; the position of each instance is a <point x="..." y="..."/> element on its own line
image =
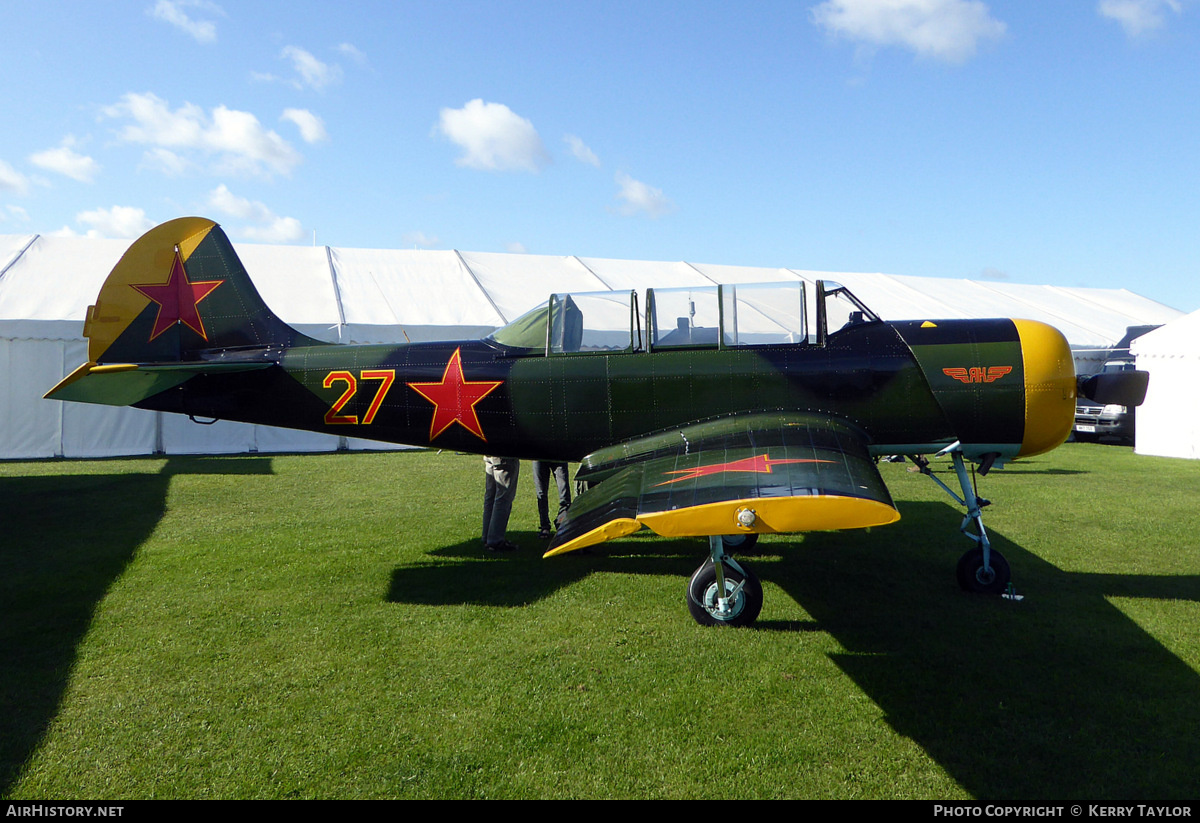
<point x="761" y="473"/>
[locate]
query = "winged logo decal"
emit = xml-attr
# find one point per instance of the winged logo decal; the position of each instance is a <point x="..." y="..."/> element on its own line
<point x="978" y="374"/>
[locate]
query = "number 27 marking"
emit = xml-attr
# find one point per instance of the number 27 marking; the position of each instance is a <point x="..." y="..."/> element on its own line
<point x="334" y="417"/>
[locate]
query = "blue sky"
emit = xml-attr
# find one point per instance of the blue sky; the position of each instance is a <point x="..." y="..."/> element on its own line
<point x="1044" y="142"/>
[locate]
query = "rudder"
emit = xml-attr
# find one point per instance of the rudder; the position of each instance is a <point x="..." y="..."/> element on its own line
<point x="179" y="290"/>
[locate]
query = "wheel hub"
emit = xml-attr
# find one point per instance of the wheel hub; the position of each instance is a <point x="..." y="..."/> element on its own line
<point x="727" y="607"/>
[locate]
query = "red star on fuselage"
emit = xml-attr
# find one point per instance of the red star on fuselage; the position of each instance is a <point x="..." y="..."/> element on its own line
<point x="178" y="299"/>
<point x="454" y="399"/>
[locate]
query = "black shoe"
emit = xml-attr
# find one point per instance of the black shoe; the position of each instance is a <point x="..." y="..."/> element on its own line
<point x="503" y="546"/>
<point x="544" y="533"/>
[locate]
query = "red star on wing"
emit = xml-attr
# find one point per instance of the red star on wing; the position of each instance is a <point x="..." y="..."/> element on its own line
<point x="758" y="464"/>
<point x="178" y="299"/>
<point x="454" y="399"/>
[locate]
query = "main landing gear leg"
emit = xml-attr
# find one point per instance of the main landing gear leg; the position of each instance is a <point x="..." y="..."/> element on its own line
<point x="982" y="569"/>
<point x="723" y="592"/>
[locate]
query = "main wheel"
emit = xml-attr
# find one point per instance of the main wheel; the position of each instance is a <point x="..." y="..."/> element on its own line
<point x="741" y="609"/>
<point x="973" y="577"/>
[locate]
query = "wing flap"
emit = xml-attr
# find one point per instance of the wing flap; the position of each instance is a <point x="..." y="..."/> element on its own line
<point x="758" y="473"/>
<point x="604" y="512"/>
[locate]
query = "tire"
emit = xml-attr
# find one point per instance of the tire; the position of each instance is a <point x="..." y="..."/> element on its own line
<point x="702" y="597"/>
<point x="739" y="543"/>
<point x="972" y="578"/>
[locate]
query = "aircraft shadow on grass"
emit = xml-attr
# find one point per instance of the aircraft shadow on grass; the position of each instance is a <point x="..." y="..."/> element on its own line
<point x="65" y="540"/>
<point x="522" y="577"/>
<point x="1070" y="695"/>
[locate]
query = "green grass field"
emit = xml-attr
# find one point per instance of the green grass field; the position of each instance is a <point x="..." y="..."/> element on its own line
<point x="328" y="626"/>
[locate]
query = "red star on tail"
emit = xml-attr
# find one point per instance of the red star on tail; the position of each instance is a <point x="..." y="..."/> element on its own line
<point x="178" y="299"/>
<point x="454" y="399"/>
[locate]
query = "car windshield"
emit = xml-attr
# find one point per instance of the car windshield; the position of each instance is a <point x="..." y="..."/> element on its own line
<point x="1118" y="366"/>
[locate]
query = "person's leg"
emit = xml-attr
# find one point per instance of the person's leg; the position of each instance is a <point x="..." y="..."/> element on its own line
<point x="505" y="472"/>
<point x="541" y="480"/>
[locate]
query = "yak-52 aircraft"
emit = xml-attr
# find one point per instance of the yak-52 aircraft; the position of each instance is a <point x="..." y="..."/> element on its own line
<point x="723" y="412"/>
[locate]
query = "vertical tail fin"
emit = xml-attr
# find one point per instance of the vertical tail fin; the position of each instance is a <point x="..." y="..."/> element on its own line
<point x="180" y="290"/>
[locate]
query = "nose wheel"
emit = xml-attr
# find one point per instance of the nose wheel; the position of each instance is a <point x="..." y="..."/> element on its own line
<point x="975" y="576"/>
<point x="982" y="570"/>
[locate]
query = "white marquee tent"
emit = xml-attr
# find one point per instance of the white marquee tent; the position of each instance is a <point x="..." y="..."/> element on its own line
<point x="377" y="295"/>
<point x="1166" y="423"/>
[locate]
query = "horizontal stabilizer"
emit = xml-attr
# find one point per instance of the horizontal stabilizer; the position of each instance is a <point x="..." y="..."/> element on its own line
<point x="123" y="384"/>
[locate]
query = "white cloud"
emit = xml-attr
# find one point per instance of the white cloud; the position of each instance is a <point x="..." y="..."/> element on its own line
<point x="66" y="161"/>
<point x="173" y="12"/>
<point x="119" y="221"/>
<point x="636" y="197"/>
<point x="11" y="212"/>
<point x="420" y="240"/>
<point x="279" y="230"/>
<point x="516" y="247"/>
<point x="167" y="162"/>
<point x="225" y="201"/>
<point x="267" y="227"/>
<point x="1138" y="17"/>
<point x="948" y="30"/>
<point x="493" y="138"/>
<point x="12" y="180"/>
<point x="313" y="73"/>
<point x="581" y="152"/>
<point x="353" y="53"/>
<point x="246" y="144"/>
<point x="235" y="139"/>
<point x="312" y="128"/>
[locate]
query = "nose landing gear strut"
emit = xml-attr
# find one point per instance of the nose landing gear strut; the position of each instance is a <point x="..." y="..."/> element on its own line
<point x="981" y="569"/>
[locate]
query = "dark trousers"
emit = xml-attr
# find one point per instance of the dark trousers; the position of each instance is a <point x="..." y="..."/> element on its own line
<point x="541" y="486"/>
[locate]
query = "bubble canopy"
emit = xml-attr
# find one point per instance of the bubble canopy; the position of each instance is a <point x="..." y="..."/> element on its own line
<point x="725" y="316"/>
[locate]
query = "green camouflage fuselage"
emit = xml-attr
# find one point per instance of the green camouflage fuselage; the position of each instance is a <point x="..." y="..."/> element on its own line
<point x="178" y="326"/>
<point x="564" y="406"/>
